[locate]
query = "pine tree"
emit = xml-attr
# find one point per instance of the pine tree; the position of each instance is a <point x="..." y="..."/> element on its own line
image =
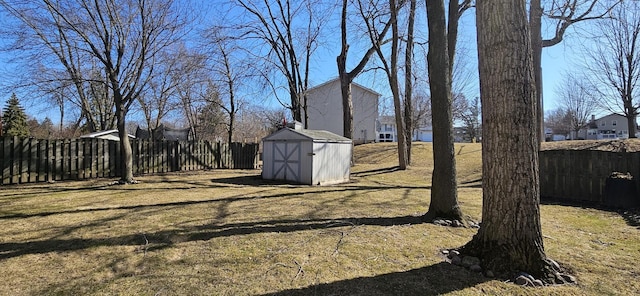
<point x="14" y="119"/>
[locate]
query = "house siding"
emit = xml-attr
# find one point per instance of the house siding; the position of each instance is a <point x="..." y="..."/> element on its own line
<point x="324" y="106"/>
<point x="612" y="126"/>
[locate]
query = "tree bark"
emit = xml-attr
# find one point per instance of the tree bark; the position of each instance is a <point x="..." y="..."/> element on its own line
<point x="444" y="196"/>
<point x="408" y="81"/>
<point x="631" y="122"/>
<point x="393" y="81"/>
<point x="126" y="154"/>
<point x="535" y="24"/>
<point x="510" y="237"/>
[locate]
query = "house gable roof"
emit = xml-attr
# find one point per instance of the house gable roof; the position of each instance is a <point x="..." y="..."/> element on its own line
<point x="611" y="115"/>
<point x="352" y="84"/>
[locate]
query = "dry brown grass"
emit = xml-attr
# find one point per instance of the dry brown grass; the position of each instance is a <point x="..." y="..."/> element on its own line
<point x="230" y="233"/>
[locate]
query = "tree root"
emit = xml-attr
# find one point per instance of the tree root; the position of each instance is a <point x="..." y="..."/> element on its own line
<point x="496" y="262"/>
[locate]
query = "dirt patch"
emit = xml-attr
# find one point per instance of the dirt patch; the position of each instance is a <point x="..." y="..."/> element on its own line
<point x="627" y="145"/>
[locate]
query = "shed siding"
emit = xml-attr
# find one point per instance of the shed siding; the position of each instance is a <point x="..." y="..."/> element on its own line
<point x="306" y="176"/>
<point x="306" y="157"/>
<point x="331" y="163"/>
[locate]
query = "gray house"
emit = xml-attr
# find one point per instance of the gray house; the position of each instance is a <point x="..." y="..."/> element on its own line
<point x="324" y="108"/>
<point x="312" y="157"/>
<point x="612" y="126"/>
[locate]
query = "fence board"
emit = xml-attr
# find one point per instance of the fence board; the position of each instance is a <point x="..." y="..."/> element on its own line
<point x="581" y="175"/>
<point x="6" y="162"/>
<point x="33" y="160"/>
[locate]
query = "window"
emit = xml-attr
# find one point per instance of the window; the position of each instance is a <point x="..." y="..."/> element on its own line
<point x="614" y="122"/>
<point x="602" y="123"/>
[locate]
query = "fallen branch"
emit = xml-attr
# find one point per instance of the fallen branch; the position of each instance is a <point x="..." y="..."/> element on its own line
<point x="145" y="246"/>
<point x="336" y="250"/>
<point x="300" y="270"/>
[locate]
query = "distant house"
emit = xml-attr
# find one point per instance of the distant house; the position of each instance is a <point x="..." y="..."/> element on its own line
<point x="423" y="134"/>
<point x="164" y="133"/>
<point x="324" y="108"/>
<point x="111" y="135"/>
<point x="387" y="131"/>
<point x="612" y="126"/>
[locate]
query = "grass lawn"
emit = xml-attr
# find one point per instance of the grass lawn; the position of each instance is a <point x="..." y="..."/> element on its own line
<point x="227" y="232"/>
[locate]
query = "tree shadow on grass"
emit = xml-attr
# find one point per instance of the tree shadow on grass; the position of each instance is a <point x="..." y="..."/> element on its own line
<point x="253" y="180"/>
<point x="239" y="197"/>
<point x="476" y="183"/>
<point x="167" y="238"/>
<point x="376" y="171"/>
<point x="440" y="278"/>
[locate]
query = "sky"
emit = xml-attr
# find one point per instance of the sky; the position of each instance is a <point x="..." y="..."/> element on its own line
<point x="556" y="61"/>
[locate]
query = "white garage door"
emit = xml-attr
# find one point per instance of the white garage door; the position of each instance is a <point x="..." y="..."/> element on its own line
<point x="286" y="161"/>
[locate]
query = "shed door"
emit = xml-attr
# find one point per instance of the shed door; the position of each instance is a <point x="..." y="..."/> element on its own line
<point x="286" y="161"/>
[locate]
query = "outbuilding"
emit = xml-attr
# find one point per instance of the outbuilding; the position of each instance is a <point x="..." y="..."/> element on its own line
<point x="111" y="135"/>
<point x="313" y="157"/>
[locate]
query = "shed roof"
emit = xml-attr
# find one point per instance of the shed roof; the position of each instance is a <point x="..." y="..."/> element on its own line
<point x="108" y="135"/>
<point x="302" y="134"/>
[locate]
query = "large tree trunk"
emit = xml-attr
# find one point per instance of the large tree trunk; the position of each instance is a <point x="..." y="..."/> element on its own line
<point x="408" y="82"/>
<point x="345" y="79"/>
<point x="347" y="107"/>
<point x="393" y="80"/>
<point x="126" y="154"/>
<point x="510" y="237"/>
<point x="631" y="122"/>
<point x="444" y="196"/>
<point x="535" y="25"/>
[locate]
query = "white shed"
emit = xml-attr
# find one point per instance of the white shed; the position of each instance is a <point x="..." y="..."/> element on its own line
<point x="302" y="156"/>
<point x="111" y="135"/>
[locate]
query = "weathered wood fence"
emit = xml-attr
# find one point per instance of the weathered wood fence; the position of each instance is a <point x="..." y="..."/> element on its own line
<point x="27" y="160"/>
<point x="581" y="175"/>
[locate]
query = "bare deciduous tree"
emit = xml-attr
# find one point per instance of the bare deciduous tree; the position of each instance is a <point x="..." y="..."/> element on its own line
<point x="408" y="79"/>
<point x="614" y="62"/>
<point x="369" y="13"/>
<point x="562" y="14"/>
<point x="290" y="30"/>
<point x="440" y="59"/>
<point x="161" y="96"/>
<point x="558" y="121"/>
<point x="467" y="111"/>
<point x="230" y="72"/>
<point x="122" y="37"/>
<point x="576" y="100"/>
<point x="510" y="236"/>
<point x="391" y="69"/>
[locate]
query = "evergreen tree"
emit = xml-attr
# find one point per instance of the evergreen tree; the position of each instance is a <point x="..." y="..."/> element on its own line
<point x="14" y="119"/>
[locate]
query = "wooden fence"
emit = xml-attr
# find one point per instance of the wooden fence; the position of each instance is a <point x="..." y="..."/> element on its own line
<point x="27" y="160"/>
<point x="581" y="175"/>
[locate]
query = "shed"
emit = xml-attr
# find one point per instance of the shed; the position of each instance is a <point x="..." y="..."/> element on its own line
<point x="313" y="157"/>
<point x="111" y="135"/>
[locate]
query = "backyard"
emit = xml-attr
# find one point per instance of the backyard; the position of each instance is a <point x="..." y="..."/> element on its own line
<point x="228" y="232"/>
